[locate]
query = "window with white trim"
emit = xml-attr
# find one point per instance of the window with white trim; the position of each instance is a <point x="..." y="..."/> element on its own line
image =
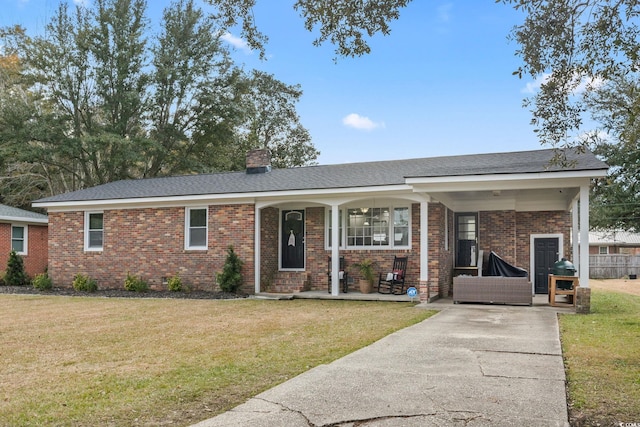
<point x="196" y="228"/>
<point x="373" y="227"/>
<point x="93" y="231"/>
<point x="19" y="239"/>
<point x="603" y="250"/>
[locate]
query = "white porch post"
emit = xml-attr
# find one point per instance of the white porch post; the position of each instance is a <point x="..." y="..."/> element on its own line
<point x="584" y="236"/>
<point x="575" y="235"/>
<point x="424" y="242"/>
<point x="335" y="250"/>
<point x="256" y="248"/>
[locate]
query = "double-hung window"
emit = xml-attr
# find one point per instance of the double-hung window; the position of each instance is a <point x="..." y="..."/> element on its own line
<point x="196" y="228"/>
<point x="19" y="239"/>
<point x="373" y="227"/>
<point x="93" y="231"/>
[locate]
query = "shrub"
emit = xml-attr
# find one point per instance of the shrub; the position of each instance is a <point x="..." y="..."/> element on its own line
<point x="135" y="284"/>
<point x="174" y="284"/>
<point x="42" y="282"/>
<point x="230" y="279"/>
<point x="15" y="274"/>
<point x="82" y="283"/>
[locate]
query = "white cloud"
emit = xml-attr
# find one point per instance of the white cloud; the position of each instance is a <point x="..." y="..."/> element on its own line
<point x="584" y="83"/>
<point x="444" y="12"/>
<point x="236" y="42"/>
<point x="82" y="3"/>
<point x="357" y="121"/>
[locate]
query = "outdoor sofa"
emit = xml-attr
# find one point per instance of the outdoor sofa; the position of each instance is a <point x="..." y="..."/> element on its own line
<point x="492" y="290"/>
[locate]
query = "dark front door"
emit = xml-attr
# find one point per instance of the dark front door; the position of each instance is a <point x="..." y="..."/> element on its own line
<point x="546" y="254"/>
<point x="292" y="239"/>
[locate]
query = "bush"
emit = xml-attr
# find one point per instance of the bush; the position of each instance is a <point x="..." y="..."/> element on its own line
<point x="135" y="284"/>
<point x="174" y="284"/>
<point x="15" y="274"/>
<point x="82" y="283"/>
<point x="230" y="279"/>
<point x="42" y="282"/>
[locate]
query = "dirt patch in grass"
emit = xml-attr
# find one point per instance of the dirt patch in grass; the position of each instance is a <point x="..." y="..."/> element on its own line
<point x="617" y="285"/>
<point x="147" y="362"/>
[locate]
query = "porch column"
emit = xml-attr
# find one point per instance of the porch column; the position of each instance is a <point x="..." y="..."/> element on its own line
<point x="335" y="250"/>
<point x="584" y="236"/>
<point x="256" y="248"/>
<point x="424" y="250"/>
<point x="575" y="235"/>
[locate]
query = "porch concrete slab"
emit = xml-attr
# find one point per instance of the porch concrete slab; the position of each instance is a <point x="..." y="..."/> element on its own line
<point x="466" y="366"/>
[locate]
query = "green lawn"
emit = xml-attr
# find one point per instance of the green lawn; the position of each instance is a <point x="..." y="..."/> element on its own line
<point x="602" y="360"/>
<point x="109" y="361"/>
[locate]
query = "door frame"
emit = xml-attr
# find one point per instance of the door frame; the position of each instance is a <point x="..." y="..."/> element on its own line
<point x="304" y="234"/>
<point x="532" y="253"/>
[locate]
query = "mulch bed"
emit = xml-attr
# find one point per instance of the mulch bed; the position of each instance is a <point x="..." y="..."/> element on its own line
<point x="119" y="293"/>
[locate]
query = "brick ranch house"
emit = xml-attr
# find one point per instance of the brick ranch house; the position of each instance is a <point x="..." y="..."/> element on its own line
<point x="437" y="211"/>
<point x="26" y="233"/>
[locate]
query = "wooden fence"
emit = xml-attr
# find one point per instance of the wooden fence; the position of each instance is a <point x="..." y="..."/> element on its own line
<point x="613" y="266"/>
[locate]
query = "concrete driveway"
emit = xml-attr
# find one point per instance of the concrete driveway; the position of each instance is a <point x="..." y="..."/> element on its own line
<point x="469" y="365"/>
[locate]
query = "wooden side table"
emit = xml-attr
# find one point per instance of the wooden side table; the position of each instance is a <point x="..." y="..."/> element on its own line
<point x="554" y="291"/>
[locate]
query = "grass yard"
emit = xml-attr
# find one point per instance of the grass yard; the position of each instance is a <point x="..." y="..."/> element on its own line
<point x="602" y="360"/>
<point x="109" y="361"/>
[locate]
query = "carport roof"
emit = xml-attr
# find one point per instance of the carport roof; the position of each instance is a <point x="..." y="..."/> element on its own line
<point x="340" y="176"/>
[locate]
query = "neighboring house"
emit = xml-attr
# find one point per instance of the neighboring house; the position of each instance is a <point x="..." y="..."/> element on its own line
<point x="26" y="233"/>
<point x="285" y="223"/>
<point x="613" y="242"/>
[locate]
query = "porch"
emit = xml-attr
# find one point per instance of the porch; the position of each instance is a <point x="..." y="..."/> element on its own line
<point x="539" y="300"/>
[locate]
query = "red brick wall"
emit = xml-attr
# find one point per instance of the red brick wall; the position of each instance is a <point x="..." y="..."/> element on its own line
<point x="150" y="243"/>
<point x="544" y="222"/>
<point x="497" y="232"/>
<point x="269" y="226"/>
<point x="35" y="262"/>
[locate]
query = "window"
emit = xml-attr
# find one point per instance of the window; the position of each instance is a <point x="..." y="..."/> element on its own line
<point x="93" y="231"/>
<point x="368" y="227"/>
<point x="19" y="239"/>
<point x="466" y="239"/>
<point x="196" y="228"/>
<point x="603" y="250"/>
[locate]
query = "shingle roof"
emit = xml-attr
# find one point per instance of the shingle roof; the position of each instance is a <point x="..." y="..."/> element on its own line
<point x="9" y="213"/>
<point x="366" y="174"/>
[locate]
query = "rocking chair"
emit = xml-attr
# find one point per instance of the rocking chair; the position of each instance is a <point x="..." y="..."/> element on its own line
<point x="393" y="282"/>
<point x="342" y="275"/>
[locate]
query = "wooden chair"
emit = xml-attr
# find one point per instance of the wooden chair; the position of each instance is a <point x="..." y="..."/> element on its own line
<point x="394" y="281"/>
<point x="343" y="275"/>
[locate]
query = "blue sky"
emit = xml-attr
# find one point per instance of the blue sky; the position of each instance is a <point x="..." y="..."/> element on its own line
<point x="440" y="84"/>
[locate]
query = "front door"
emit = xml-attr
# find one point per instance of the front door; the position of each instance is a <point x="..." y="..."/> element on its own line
<point x="546" y="254"/>
<point x="292" y="240"/>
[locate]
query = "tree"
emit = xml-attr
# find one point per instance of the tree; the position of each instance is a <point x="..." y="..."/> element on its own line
<point x="15" y="274"/>
<point x="574" y="46"/>
<point x="344" y="23"/>
<point x="98" y="98"/>
<point x="616" y="200"/>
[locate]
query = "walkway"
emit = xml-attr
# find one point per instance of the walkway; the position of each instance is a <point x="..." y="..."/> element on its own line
<point x="469" y="365"/>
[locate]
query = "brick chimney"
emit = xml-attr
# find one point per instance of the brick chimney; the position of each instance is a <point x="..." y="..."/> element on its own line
<point x="258" y="161"/>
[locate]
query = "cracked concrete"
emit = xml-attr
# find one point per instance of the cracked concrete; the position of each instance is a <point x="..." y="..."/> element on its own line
<point x="469" y="365"/>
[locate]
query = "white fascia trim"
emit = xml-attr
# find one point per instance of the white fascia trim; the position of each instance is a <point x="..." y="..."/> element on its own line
<point x="24" y="220"/>
<point x="492" y="178"/>
<point x="209" y="199"/>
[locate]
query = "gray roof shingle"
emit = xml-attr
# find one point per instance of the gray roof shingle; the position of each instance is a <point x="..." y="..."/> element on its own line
<point x="11" y="213"/>
<point x="366" y="174"/>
